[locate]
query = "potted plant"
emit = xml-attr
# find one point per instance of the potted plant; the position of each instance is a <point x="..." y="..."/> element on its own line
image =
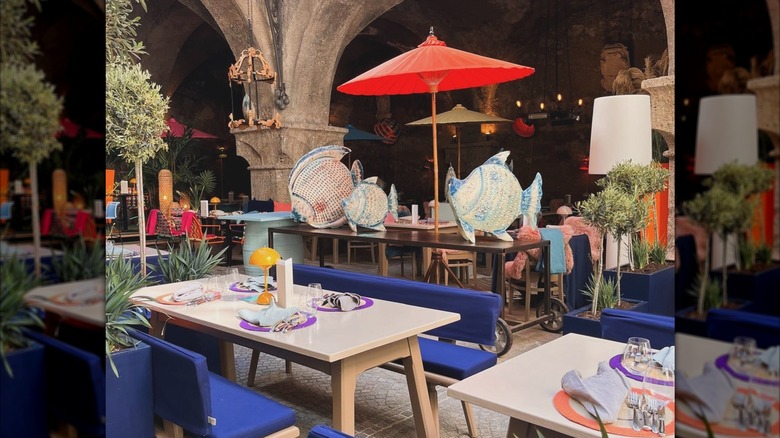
<point x="80" y="262"/>
<point x="722" y="209"/>
<point x="22" y="375"/>
<point x="648" y="277"/>
<point x="129" y="401"/>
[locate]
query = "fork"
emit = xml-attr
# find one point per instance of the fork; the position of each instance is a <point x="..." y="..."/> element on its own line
<point x="739" y="401"/>
<point x="633" y="402"/>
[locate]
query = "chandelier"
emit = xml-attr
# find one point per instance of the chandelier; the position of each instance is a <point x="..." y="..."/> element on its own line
<point x="558" y="111"/>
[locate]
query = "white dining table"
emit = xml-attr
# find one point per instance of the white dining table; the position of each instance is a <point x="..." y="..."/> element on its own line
<point x="341" y="344"/>
<point x="79" y="300"/>
<point x="523" y="387"/>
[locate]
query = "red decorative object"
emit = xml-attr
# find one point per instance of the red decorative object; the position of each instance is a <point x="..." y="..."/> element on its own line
<point x="388" y="129"/>
<point x="522" y="129"/>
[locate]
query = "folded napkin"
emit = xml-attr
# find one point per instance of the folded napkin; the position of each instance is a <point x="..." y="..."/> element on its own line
<point x="712" y="391"/>
<point x="267" y="317"/>
<point x="557" y="251"/>
<point x="771" y="358"/>
<point x="603" y="393"/>
<point x="665" y="357"/>
<point x="256" y="284"/>
<point x="344" y="301"/>
<point x="188" y="292"/>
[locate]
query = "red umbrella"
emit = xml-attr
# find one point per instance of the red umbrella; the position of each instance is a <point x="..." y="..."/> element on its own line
<point x="430" y="68"/>
<point x="176" y="129"/>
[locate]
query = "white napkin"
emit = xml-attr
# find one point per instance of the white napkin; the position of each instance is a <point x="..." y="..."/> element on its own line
<point x="665" y="357"/>
<point x="603" y="393"/>
<point x="188" y="292"/>
<point x="267" y="317"/>
<point x="344" y="301"/>
<point x="712" y="391"/>
<point x="771" y="358"/>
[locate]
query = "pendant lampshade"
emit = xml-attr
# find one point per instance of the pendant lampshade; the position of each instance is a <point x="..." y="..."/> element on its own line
<point x="726" y="131"/>
<point x="621" y="131"/>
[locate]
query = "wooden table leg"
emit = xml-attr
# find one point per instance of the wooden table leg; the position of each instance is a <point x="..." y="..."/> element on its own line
<point x="335" y="251"/>
<point x="418" y="391"/>
<point x="382" y="270"/>
<point x="343" y="382"/>
<point x="227" y="360"/>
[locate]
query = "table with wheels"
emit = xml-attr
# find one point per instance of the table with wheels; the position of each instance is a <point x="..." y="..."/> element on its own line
<point x="550" y="317"/>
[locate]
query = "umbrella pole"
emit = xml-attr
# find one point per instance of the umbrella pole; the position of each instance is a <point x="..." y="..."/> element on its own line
<point x="457" y="134"/>
<point x="435" y="168"/>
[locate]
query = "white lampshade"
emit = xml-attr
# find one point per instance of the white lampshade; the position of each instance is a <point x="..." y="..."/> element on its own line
<point x="620" y="131"/>
<point x="727" y="131"/>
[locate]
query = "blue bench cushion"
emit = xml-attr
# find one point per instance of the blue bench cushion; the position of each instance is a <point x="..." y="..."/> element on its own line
<point x="726" y="324"/>
<point x="242" y="412"/>
<point x="478" y="310"/>
<point x="456" y="361"/>
<point x="619" y="325"/>
<point x="321" y="431"/>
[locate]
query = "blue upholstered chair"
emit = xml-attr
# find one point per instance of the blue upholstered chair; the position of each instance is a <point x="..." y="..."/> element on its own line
<point x="6" y="209"/>
<point x="75" y="386"/>
<point x="322" y="431"/>
<point x="726" y="324"/>
<point x="190" y="397"/>
<point x="619" y="325"/>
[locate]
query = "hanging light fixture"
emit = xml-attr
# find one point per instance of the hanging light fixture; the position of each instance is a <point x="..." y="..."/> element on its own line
<point x="560" y="110"/>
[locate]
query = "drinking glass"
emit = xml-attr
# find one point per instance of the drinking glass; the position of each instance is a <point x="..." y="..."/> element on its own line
<point x="637" y="354"/>
<point x="657" y="393"/>
<point x="743" y="357"/>
<point x="309" y="299"/>
<point x="215" y="284"/>
<point x="230" y="278"/>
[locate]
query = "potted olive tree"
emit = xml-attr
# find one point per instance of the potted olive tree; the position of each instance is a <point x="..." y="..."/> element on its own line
<point x="22" y="374"/>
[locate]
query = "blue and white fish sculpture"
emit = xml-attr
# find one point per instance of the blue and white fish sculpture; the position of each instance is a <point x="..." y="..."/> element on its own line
<point x="490" y="198"/>
<point x="368" y="205"/>
<point x="318" y="183"/>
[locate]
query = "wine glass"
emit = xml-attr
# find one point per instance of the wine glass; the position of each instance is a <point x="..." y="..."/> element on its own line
<point x="658" y="391"/>
<point x="742" y="356"/>
<point x="636" y="355"/>
<point x="309" y="299"/>
<point x="231" y="278"/>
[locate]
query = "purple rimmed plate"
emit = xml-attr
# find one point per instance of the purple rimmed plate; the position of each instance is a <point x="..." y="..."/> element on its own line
<point x="617" y="363"/>
<point x="723" y="362"/>
<point x="366" y="302"/>
<point x="256" y="328"/>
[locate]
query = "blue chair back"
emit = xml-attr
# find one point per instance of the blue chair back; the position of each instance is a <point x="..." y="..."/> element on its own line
<point x="111" y="210"/>
<point x="619" y="325"/>
<point x="323" y="431"/>
<point x="6" y="210"/>
<point x="182" y="393"/>
<point x="75" y="385"/>
<point x="478" y="310"/>
<point x="726" y="324"/>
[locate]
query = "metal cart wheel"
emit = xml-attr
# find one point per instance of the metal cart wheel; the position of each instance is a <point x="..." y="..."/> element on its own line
<point x="503" y="339"/>
<point x="557" y="308"/>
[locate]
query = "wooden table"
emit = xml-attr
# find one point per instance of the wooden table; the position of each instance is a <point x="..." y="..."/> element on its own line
<point x="428" y="239"/>
<point x="342" y="345"/>
<point x="523" y="387"/>
<point x="54" y="299"/>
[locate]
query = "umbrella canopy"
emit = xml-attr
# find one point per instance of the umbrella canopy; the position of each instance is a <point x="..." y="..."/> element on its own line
<point x="176" y="129"/>
<point x="354" y="134"/>
<point x="457" y="116"/>
<point x="430" y="68"/>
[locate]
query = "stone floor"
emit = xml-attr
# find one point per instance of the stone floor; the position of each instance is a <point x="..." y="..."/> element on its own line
<point x="382" y="406"/>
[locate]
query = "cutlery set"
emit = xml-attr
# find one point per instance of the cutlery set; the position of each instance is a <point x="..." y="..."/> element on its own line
<point x="647" y="413"/>
<point x="753" y="413"/>
<point x="205" y="298"/>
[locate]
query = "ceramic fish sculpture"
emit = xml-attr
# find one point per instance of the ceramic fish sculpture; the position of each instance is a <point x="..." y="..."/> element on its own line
<point x="368" y="205"/>
<point x="318" y="183"/>
<point x="490" y="198"/>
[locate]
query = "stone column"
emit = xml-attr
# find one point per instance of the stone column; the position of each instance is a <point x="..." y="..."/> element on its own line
<point x="662" y="119"/>
<point x="271" y="154"/>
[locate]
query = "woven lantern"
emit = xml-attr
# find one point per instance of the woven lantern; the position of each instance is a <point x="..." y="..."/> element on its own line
<point x="165" y="183"/>
<point x="59" y="190"/>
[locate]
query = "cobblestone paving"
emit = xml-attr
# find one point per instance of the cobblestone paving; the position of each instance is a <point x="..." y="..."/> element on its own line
<point x="382" y="406"/>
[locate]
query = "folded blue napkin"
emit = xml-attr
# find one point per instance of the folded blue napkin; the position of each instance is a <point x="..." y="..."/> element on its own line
<point x="711" y="391"/>
<point x="557" y="251"/>
<point x="268" y="317"/>
<point x="603" y="393"/>
<point x="771" y="358"/>
<point x="665" y="357"/>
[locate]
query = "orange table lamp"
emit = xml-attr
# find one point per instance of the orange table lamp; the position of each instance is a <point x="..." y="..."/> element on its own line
<point x="265" y="258"/>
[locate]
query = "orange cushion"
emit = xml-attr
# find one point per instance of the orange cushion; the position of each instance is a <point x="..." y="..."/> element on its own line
<point x="282" y="206"/>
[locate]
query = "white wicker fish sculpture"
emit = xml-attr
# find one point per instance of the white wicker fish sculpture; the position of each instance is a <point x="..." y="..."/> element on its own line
<point x="368" y="205"/>
<point x="490" y="198"/>
<point x="318" y="183"/>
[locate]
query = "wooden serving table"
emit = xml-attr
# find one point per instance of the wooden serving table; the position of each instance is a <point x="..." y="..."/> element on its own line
<point x="428" y="240"/>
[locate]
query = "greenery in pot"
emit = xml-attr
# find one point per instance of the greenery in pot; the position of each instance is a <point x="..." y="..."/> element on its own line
<point x="621" y="208"/>
<point x="135" y="109"/>
<point x="186" y="262"/>
<point x="121" y="313"/>
<point x="14" y="315"/>
<point x="80" y="262"/>
<point x="726" y="208"/>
